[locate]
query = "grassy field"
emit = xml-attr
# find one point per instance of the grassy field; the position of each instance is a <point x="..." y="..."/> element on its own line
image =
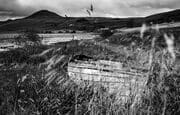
<point x="34" y="79"/>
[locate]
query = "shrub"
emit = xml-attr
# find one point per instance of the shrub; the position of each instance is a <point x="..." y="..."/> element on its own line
<point x="106" y="33"/>
<point x="29" y="37"/>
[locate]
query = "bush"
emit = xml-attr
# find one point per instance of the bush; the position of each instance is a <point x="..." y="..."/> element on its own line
<point x="29" y="37"/>
<point x="106" y="33"/>
<point x="23" y="55"/>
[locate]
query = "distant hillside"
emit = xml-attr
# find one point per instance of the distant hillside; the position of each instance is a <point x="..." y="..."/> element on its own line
<point x="42" y="20"/>
<point x="47" y="20"/>
<point x="44" y="14"/>
<point x="171" y="16"/>
<point x="3" y="22"/>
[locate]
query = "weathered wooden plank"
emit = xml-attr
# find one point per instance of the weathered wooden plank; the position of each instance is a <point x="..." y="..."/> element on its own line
<point x="100" y="63"/>
<point x="110" y="74"/>
<point x="93" y="65"/>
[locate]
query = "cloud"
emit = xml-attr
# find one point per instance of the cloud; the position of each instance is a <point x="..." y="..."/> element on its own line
<point x="79" y="7"/>
<point x="113" y="8"/>
<point x="171" y="4"/>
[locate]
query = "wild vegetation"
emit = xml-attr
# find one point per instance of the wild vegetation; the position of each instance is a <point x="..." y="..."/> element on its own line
<point x="34" y="79"/>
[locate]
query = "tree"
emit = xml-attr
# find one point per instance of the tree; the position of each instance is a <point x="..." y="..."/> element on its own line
<point x="106" y="33"/>
<point x="32" y="36"/>
<point x="29" y="37"/>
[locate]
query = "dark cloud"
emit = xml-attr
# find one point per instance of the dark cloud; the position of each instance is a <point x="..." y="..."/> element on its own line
<point x="14" y="7"/>
<point x="112" y="8"/>
<point x="5" y="15"/>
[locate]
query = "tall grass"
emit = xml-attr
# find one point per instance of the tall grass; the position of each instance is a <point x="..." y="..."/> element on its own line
<point x="34" y="79"/>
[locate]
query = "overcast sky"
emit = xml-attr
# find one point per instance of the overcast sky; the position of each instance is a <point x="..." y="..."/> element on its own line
<point x="77" y="8"/>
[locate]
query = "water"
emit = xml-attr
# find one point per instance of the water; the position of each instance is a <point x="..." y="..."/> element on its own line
<point x="55" y="38"/>
<point x="48" y="39"/>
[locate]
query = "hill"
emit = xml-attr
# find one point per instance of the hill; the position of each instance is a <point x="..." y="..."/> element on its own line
<point x="42" y="20"/>
<point x="47" y="20"/>
<point x="165" y="17"/>
<point x="44" y="14"/>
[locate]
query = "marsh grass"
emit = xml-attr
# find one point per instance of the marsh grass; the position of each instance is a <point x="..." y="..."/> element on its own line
<point x="34" y="80"/>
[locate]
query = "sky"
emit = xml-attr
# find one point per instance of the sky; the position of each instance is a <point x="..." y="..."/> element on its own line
<point x="12" y="9"/>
